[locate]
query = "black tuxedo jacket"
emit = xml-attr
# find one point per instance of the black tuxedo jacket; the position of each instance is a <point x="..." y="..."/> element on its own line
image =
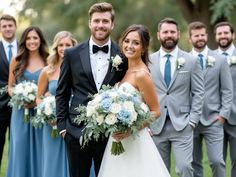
<point x="76" y="77"/>
<point x="4" y="73"/>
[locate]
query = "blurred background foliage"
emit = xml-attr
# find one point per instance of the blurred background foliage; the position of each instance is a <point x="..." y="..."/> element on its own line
<point x="72" y="15"/>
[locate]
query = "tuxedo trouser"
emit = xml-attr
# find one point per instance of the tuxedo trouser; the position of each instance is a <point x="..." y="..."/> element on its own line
<point x="230" y="140"/>
<point x="213" y="136"/>
<point x="80" y="158"/>
<point x="181" y="143"/>
<point x="3" y="129"/>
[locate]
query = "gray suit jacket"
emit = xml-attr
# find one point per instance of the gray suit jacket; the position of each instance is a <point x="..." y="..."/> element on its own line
<point x="232" y="117"/>
<point x="218" y="90"/>
<point x="184" y="97"/>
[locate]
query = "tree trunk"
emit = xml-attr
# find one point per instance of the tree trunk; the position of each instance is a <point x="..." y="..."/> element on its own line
<point x="199" y="11"/>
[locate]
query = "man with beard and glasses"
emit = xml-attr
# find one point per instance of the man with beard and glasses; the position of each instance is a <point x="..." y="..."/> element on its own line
<point x="84" y="70"/>
<point x="224" y="35"/>
<point x="179" y="83"/>
<point x="216" y="105"/>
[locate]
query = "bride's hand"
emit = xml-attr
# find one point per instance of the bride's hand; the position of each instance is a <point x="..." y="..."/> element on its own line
<point x="118" y="136"/>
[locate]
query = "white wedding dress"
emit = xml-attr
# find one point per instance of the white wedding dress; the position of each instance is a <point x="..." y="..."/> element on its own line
<point x="140" y="159"/>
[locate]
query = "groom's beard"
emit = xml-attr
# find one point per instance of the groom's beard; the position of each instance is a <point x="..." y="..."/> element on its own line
<point x="169" y="43"/>
<point x="224" y="43"/>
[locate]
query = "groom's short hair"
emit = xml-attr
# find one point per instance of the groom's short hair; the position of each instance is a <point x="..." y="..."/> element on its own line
<point x="167" y="20"/>
<point x="102" y="7"/>
<point x="196" y="25"/>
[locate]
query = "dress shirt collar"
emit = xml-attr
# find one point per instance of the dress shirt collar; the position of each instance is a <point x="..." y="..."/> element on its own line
<point x="173" y="53"/>
<point x="204" y="52"/>
<point x="229" y="51"/>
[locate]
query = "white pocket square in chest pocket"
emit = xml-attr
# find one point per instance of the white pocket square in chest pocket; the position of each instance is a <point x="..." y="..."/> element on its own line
<point x="182" y="72"/>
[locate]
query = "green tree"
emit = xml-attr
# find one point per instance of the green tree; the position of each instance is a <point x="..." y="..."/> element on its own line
<point x="209" y="12"/>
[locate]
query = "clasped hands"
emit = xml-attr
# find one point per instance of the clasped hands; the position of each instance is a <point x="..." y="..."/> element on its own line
<point x="118" y="136"/>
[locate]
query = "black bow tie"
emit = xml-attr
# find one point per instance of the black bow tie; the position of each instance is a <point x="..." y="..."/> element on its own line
<point x="103" y="48"/>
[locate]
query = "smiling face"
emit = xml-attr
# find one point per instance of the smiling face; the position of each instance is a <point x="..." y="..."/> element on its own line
<point x="8" y="29"/>
<point x="224" y="37"/>
<point x="198" y="38"/>
<point x="32" y="41"/>
<point x="168" y="36"/>
<point x="132" y="46"/>
<point x="64" y="43"/>
<point x="101" y="26"/>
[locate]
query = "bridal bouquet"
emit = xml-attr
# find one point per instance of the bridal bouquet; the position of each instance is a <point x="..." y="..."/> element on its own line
<point x="23" y="93"/>
<point x="46" y="113"/>
<point x="112" y="110"/>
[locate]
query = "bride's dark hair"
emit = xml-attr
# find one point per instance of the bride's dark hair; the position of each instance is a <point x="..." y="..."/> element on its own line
<point x="144" y="36"/>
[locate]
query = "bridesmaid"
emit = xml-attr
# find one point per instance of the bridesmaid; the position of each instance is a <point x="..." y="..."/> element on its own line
<point x="25" y="142"/>
<point x="54" y="154"/>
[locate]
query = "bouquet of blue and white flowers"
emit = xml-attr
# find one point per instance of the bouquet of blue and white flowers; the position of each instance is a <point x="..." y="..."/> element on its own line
<point x="112" y="110"/>
<point x="23" y="93"/>
<point x="46" y="113"/>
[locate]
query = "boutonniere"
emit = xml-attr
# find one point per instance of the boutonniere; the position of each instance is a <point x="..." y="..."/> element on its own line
<point x="180" y="62"/>
<point x="210" y="61"/>
<point x="115" y="62"/>
<point x="232" y="60"/>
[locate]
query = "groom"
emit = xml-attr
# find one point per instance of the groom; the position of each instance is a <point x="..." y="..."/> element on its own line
<point x="84" y="70"/>
<point x="179" y="84"/>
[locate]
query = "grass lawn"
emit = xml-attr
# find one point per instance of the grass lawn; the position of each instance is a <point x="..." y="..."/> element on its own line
<point x="207" y="170"/>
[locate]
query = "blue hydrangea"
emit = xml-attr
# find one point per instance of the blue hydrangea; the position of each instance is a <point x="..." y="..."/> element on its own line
<point x="124" y="115"/>
<point x="106" y="104"/>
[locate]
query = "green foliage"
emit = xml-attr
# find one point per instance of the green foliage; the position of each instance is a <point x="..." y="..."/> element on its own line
<point x="222" y="8"/>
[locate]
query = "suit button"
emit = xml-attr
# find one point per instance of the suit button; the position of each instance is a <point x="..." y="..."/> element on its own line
<point x="167" y="93"/>
<point x="165" y="106"/>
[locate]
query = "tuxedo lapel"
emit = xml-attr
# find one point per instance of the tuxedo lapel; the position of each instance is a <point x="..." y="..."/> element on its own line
<point x="86" y="64"/>
<point x="3" y="54"/>
<point x="110" y="73"/>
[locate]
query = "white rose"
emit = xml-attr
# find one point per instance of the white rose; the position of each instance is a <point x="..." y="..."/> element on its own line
<point x="133" y="116"/>
<point x="110" y="119"/>
<point x="233" y="60"/>
<point x="39" y="112"/>
<point x="99" y="119"/>
<point x="115" y="108"/>
<point x="28" y="89"/>
<point x="128" y="105"/>
<point x="117" y="60"/>
<point x="210" y="60"/>
<point x="48" y="111"/>
<point x="31" y="97"/>
<point x="144" y="107"/>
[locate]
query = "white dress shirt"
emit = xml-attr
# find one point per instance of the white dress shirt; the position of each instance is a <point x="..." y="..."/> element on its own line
<point x="99" y="63"/>
<point x="163" y="58"/>
<point x="6" y="48"/>
<point x="204" y="53"/>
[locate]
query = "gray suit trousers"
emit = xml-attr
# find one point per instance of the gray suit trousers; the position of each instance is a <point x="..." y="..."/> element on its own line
<point x="182" y="144"/>
<point x="230" y="139"/>
<point x="213" y="135"/>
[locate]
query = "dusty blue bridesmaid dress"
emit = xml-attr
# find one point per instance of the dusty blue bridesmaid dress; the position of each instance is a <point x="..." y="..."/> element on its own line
<point x="54" y="153"/>
<point x="25" y="149"/>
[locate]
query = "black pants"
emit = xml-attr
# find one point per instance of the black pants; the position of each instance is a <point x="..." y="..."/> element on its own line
<point x="80" y="159"/>
<point x="3" y="130"/>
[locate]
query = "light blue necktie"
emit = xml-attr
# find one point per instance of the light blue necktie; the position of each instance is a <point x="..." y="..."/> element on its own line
<point x="200" y="56"/>
<point x="167" y="72"/>
<point x="10" y="52"/>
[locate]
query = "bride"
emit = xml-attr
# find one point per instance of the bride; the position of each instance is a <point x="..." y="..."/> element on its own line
<point x="141" y="157"/>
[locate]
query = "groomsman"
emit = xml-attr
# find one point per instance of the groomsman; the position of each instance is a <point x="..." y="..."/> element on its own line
<point x="179" y="85"/>
<point x="217" y="102"/>
<point x="224" y="35"/>
<point x="8" y="49"/>
<point x="84" y="70"/>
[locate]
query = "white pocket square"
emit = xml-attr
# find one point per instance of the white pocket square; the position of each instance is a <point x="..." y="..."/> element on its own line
<point x="183" y="71"/>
